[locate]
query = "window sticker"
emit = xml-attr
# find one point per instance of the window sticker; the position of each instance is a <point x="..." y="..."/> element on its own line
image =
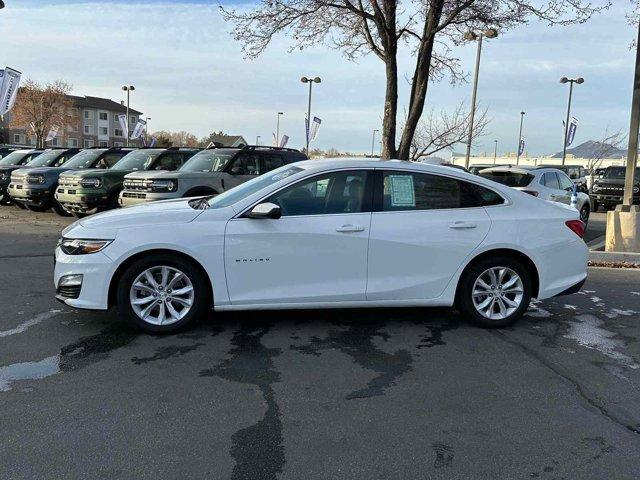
<point x="402" y="191"/>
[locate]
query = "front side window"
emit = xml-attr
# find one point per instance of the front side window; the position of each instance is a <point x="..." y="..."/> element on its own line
<point x="565" y="182"/>
<point x="271" y="162"/>
<point x="246" y="164"/>
<point x="403" y="191"/>
<point x="208" y="161"/>
<point x="332" y="193"/>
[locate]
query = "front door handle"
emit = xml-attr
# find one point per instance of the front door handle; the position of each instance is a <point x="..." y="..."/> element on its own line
<point x="350" y="228"/>
<point x="461" y="225"/>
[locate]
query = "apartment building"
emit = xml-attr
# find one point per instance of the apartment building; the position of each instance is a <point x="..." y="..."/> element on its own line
<point x="93" y="122"/>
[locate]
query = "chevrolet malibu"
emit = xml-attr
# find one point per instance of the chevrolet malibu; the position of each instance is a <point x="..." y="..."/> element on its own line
<point x="326" y="234"/>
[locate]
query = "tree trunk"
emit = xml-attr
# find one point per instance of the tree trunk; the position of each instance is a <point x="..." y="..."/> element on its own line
<point x="390" y="108"/>
<point x="420" y="79"/>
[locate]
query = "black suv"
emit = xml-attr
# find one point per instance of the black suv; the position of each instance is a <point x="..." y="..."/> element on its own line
<point x="609" y="189"/>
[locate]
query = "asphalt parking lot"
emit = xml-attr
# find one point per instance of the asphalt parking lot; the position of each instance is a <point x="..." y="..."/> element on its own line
<point x="376" y="394"/>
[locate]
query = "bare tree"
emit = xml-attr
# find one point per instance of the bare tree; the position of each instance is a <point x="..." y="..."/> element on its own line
<point x="441" y="130"/>
<point x="40" y="108"/>
<point x="610" y="143"/>
<point x="176" y="139"/>
<point x="383" y="27"/>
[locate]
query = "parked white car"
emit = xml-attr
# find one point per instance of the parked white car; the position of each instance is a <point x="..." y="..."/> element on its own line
<point x="326" y="233"/>
<point x="547" y="183"/>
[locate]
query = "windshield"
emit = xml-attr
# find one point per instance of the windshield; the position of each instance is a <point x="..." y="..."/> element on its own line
<point x="208" y="161"/>
<point x="242" y="191"/>
<point x="138" y="160"/>
<point x="46" y="159"/>
<point x="14" y="158"/>
<point x="84" y="159"/>
<point x="618" y="173"/>
<point x="510" y="179"/>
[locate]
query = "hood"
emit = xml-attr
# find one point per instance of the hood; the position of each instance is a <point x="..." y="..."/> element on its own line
<point x="92" y="172"/>
<point x="145" y="174"/>
<point x="10" y="168"/>
<point x="156" y="213"/>
<point x="169" y="175"/>
<point x="46" y="171"/>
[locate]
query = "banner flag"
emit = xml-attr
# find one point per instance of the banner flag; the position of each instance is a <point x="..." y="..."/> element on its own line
<point x="139" y="129"/>
<point x="571" y="133"/>
<point x="53" y="133"/>
<point x="521" y="147"/>
<point x="122" y="120"/>
<point x="154" y="140"/>
<point x="315" y="127"/>
<point x="283" y="141"/>
<point x="9" y="89"/>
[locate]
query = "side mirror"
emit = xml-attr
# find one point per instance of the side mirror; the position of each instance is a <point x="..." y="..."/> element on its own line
<point x="265" y="210"/>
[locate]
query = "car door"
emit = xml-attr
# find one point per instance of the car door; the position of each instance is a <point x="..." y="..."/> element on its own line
<point x="556" y="192"/>
<point x="566" y="188"/>
<point x="423" y="228"/>
<point x="243" y="168"/>
<point x="317" y="250"/>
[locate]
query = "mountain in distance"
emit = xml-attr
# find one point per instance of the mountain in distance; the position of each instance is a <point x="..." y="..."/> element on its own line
<point x="593" y="149"/>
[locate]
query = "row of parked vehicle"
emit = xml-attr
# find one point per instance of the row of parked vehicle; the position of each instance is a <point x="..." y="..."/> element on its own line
<point x="82" y="182"/>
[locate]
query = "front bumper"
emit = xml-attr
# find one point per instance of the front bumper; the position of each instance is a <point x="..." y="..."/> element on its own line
<point x="96" y="271"/>
<point x="30" y="194"/>
<point x="610" y="199"/>
<point x="128" y="198"/>
<point x="77" y="199"/>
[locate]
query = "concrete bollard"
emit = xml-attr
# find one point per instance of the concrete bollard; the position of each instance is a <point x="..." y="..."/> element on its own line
<point x="623" y="229"/>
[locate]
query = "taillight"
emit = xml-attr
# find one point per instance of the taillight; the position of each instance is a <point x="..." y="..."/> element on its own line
<point x="577" y="226"/>
<point x="531" y="192"/>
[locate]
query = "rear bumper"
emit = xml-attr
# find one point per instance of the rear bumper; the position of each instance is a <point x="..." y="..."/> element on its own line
<point x="572" y="289"/>
<point x="561" y="268"/>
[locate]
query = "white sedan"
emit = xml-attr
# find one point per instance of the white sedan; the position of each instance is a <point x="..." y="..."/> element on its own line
<point x="324" y="234"/>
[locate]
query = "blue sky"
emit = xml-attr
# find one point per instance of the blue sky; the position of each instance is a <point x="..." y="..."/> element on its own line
<point x="190" y="74"/>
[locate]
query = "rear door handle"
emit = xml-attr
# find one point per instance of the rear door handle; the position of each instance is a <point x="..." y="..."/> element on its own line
<point x="461" y="225"/>
<point x="350" y="228"/>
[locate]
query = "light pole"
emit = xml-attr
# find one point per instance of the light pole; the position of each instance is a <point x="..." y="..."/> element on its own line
<point x="373" y="139"/>
<point x="473" y="36"/>
<point x="310" y="81"/>
<point x="520" y="138"/>
<point x="570" y="81"/>
<point x="495" y="151"/>
<point x="128" y="89"/>
<point x="258" y="140"/>
<point x="278" y="129"/>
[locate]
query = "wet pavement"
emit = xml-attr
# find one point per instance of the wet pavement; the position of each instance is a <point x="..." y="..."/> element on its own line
<point x="377" y="393"/>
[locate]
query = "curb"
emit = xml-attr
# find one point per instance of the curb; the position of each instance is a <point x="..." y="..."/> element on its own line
<point x="629" y="259"/>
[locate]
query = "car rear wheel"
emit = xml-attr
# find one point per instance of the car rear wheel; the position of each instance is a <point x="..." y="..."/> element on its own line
<point x="161" y="294"/>
<point x="494" y="292"/>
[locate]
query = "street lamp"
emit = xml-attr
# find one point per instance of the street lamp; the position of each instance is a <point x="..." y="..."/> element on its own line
<point x="373" y="139"/>
<point x="257" y="140"/>
<point x="520" y="137"/>
<point x="476" y="36"/>
<point x="495" y="151"/>
<point x="310" y="81"/>
<point x="128" y="89"/>
<point x="278" y="129"/>
<point x="570" y="81"/>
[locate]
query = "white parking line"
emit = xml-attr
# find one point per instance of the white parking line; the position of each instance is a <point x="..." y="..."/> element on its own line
<point x="30" y="323"/>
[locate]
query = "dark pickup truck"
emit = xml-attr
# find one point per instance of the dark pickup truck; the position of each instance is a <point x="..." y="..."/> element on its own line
<point x="608" y="190"/>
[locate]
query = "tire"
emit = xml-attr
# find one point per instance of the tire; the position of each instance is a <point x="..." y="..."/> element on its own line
<point x="34" y="208"/>
<point x="479" y="270"/>
<point x="60" y="210"/>
<point x="160" y="298"/>
<point x="80" y="214"/>
<point x="584" y="214"/>
<point x="19" y="205"/>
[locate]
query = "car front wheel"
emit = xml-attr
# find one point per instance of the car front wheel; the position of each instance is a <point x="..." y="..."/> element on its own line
<point x="162" y="294"/>
<point x="494" y="292"/>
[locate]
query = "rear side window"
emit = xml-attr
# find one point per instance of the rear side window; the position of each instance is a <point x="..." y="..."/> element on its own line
<point x="419" y="191"/>
<point x="271" y="162"/>
<point x="510" y="179"/>
<point x="550" y="180"/>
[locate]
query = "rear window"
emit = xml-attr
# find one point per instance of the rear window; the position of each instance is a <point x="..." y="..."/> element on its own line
<point x="510" y="179"/>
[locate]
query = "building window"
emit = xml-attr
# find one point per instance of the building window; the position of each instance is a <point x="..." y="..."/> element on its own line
<point x="72" y="142"/>
<point x="17" y="138"/>
<point x="118" y="133"/>
<point x="54" y="142"/>
<point x="104" y="144"/>
<point x="104" y="116"/>
<point x="104" y="131"/>
<point x="133" y="120"/>
<point x="88" y="114"/>
<point x="88" y="143"/>
<point x="88" y="129"/>
<point x="118" y="144"/>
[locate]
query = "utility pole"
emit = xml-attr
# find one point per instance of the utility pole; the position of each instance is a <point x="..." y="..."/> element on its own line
<point x="520" y="138"/>
<point x="495" y="151"/>
<point x="634" y="126"/>
<point x="278" y="129"/>
<point x="373" y="140"/>
<point x="257" y="140"/>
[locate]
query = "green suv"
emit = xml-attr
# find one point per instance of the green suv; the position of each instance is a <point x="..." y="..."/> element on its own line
<point x="89" y="191"/>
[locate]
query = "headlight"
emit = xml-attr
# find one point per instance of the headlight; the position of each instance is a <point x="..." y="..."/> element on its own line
<point x="596" y="188"/>
<point x="72" y="246"/>
<point x="91" y="182"/>
<point x="4" y="177"/>
<point x="636" y="189"/>
<point x="35" y="178"/>
<point x="164" y="185"/>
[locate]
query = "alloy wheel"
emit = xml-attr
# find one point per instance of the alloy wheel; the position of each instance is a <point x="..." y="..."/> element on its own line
<point x="497" y="293"/>
<point x="161" y="295"/>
